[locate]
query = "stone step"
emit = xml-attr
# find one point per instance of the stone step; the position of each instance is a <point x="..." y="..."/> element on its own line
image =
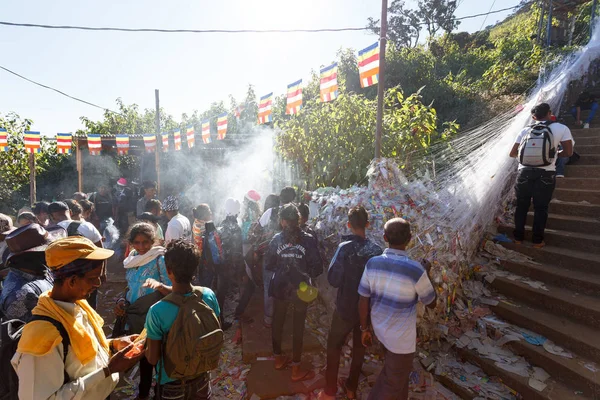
<point x="574" y="208"/>
<point x="569" y="223"/>
<point x="579" y="281"/>
<point x="560" y="257"/>
<point x="573" y="336"/>
<point x="577" y="132"/>
<point x="579" y="307"/>
<point x="587" y="149"/>
<point x="554" y="390"/>
<point x="587" y="140"/>
<point x="568" y="371"/>
<point x="589" y="159"/>
<point x="570" y="240"/>
<point x="591" y="196"/>
<point x="578" y="183"/>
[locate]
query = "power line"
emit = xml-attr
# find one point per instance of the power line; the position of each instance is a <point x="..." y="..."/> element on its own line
<point x="58" y="91"/>
<point x="485" y="19"/>
<point x="90" y="28"/>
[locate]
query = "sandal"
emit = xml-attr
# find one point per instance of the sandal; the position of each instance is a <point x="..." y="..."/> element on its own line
<point x="285" y="363"/>
<point x="308" y="375"/>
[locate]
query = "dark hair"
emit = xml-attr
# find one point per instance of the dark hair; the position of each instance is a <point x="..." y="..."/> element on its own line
<point x="57" y="206"/>
<point x="290" y="213"/>
<point x="271" y="201"/>
<point x="29" y="216"/>
<point x="541" y="110"/>
<point x="149" y="185"/>
<point x="397" y="231"/>
<point x="78" y="272"/>
<point x="303" y="210"/>
<point x="287" y="195"/>
<point x="182" y="259"/>
<point x="74" y="207"/>
<point x="141" y="228"/>
<point x="148" y="217"/>
<point x="80" y="196"/>
<point x="86" y="205"/>
<point x="152" y="204"/>
<point x="41" y="207"/>
<point x="202" y="212"/>
<point x="358" y="217"/>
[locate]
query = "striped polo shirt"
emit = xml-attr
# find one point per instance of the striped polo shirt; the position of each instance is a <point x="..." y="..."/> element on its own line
<point x="395" y="284"/>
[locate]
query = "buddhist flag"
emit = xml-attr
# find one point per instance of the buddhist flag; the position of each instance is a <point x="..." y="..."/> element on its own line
<point x="329" y="83"/>
<point x="94" y="144"/>
<point x="165" y="141"/>
<point x="206" y="131"/>
<point x="238" y="110"/>
<point x="177" y="137"/>
<point x="264" y="109"/>
<point x="63" y="143"/>
<point x="221" y="126"/>
<point x="3" y="140"/>
<point x="368" y="65"/>
<point x="122" y="144"/>
<point x="150" y="142"/>
<point x="190" y="136"/>
<point x="32" y="142"/>
<point x="294" y="98"/>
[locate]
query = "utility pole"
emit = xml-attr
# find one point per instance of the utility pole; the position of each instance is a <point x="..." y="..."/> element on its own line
<point x="593" y="17"/>
<point x="549" y="27"/>
<point x="158" y="140"/>
<point x="32" y="188"/>
<point x="381" y="84"/>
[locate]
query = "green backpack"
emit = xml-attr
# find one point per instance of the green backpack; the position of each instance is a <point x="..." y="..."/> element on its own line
<point x="194" y="342"/>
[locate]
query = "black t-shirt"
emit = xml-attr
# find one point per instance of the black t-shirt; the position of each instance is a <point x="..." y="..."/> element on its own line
<point x="585" y="100"/>
<point x="103" y="204"/>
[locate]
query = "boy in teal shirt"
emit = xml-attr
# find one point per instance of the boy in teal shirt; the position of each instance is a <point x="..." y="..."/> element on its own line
<point x="181" y="259"/>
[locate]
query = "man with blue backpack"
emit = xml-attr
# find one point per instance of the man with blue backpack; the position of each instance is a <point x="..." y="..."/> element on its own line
<point x="536" y="148"/>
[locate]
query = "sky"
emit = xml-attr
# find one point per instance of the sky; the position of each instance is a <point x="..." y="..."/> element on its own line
<point x="190" y="70"/>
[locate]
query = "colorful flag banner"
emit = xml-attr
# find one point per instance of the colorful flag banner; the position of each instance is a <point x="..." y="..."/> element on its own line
<point x="150" y="142"/>
<point x="165" y="141"/>
<point x="94" y="144"/>
<point x="264" y="109"/>
<point x="239" y="109"/>
<point x="294" y="98"/>
<point x="32" y="142"/>
<point x="3" y="140"/>
<point x="368" y="65"/>
<point x="122" y="144"/>
<point x="177" y="137"/>
<point x="191" y="140"/>
<point x="63" y="143"/>
<point x="329" y="83"/>
<point x="221" y="126"/>
<point x="206" y="131"/>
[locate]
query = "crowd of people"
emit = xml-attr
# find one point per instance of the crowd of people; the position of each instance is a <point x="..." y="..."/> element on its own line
<point x="180" y="269"/>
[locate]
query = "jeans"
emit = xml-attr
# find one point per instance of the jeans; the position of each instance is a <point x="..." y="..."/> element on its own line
<point x="593" y="108"/>
<point x="338" y="334"/>
<point x="537" y="184"/>
<point x="267" y="275"/>
<point x="146" y="372"/>
<point x="196" y="389"/>
<point x="392" y="383"/>
<point x="560" y="165"/>
<point x="299" y="315"/>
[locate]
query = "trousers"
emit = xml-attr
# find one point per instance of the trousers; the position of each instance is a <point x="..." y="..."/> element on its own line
<point x="392" y="382"/>
<point x="536" y="184"/>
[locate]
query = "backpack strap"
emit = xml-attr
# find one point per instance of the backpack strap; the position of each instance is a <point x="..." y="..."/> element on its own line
<point x="73" y="227"/>
<point x="65" y="339"/>
<point x="178" y="299"/>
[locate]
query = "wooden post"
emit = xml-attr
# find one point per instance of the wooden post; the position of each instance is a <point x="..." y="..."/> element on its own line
<point x="79" y="166"/>
<point x="32" y="188"/>
<point x="158" y="141"/>
<point x="549" y="26"/>
<point x="381" y="84"/>
<point x="592" y="18"/>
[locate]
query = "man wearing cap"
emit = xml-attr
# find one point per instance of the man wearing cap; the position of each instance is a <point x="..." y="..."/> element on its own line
<point x="179" y="226"/>
<point x="91" y="372"/>
<point x="28" y="276"/>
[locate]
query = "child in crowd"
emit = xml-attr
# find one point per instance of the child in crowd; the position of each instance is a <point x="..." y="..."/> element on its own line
<point x="345" y="271"/>
<point x="145" y="261"/>
<point x="293" y="259"/>
<point x="181" y="259"/>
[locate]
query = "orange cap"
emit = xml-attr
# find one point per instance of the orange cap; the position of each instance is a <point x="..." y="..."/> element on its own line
<point x="67" y="250"/>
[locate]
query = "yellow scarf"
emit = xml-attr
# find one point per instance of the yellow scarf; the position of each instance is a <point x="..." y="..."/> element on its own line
<point x="38" y="340"/>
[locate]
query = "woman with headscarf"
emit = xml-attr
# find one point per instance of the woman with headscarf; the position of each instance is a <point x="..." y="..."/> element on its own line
<point x="294" y="260"/>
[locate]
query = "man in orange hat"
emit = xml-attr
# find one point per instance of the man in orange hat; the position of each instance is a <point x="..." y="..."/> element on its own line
<point x="85" y="369"/>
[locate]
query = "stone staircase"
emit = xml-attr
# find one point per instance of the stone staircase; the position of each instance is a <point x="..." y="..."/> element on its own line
<point x="568" y="313"/>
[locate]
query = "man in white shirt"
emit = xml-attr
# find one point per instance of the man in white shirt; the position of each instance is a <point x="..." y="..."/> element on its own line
<point x="538" y="183"/>
<point x="179" y="226"/>
<point x="86" y="370"/>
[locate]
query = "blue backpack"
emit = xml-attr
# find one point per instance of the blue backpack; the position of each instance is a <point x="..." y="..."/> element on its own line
<point x="213" y="248"/>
